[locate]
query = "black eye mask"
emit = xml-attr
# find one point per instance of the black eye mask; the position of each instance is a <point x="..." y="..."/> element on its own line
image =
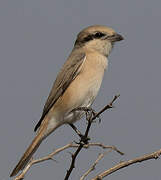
<point x="97" y="35"/>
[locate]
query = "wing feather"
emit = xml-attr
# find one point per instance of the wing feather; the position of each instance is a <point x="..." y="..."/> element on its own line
<point x="68" y="73"/>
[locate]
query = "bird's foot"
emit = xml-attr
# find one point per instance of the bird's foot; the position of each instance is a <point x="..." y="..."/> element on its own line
<point x="84" y="139"/>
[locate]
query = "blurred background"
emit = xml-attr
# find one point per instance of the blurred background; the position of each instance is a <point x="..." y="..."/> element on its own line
<point x="36" y="37"/>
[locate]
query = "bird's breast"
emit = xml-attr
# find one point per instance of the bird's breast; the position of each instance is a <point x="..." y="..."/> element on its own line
<point x="84" y="88"/>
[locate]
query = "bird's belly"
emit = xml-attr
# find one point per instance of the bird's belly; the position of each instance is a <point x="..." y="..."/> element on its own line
<point x="81" y="92"/>
<point x="85" y="100"/>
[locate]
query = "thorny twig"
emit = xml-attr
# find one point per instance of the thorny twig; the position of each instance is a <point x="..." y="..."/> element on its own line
<point x="51" y="155"/>
<point x="84" y="139"/>
<point x="153" y="155"/>
<point x="92" y="168"/>
<point x="82" y="144"/>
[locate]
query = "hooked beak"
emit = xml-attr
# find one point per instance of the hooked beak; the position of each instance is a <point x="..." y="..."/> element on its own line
<point x="115" y="37"/>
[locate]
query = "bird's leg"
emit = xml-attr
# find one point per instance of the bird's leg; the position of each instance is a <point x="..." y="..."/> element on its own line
<point x="83" y="138"/>
<point x="76" y="130"/>
<point x="89" y="112"/>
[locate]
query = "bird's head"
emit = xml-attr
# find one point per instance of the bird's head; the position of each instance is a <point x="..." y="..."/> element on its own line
<point x="99" y="38"/>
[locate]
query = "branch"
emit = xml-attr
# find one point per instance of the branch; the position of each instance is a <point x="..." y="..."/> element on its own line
<point x="84" y="140"/>
<point x="82" y="144"/>
<point x="50" y="156"/>
<point x="108" y="106"/>
<point x="153" y="155"/>
<point x="92" y="168"/>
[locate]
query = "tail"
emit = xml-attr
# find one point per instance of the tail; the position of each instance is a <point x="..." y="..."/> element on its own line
<point x="28" y="154"/>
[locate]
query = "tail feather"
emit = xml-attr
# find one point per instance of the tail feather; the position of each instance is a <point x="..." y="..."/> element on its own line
<point x="27" y="155"/>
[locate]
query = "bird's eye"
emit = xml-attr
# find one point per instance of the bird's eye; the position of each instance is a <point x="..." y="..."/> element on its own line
<point x="98" y="35"/>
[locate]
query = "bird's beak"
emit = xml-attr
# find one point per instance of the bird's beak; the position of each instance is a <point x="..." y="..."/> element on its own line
<point x="115" y="37"/>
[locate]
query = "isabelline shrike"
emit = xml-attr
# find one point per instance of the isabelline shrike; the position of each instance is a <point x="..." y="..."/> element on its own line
<point x="76" y="85"/>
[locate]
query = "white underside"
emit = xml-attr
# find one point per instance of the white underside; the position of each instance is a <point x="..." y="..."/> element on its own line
<point x="71" y="117"/>
<point x="85" y="101"/>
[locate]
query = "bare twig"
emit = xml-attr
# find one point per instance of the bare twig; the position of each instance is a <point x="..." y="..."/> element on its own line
<point x="153" y="155"/>
<point x="72" y="166"/>
<point x="51" y="155"/>
<point x="82" y="144"/>
<point x="108" y="106"/>
<point x="84" y="139"/>
<point x="94" y="165"/>
<point x="104" y="147"/>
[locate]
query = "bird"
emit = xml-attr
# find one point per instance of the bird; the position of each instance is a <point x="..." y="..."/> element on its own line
<point x="76" y="85"/>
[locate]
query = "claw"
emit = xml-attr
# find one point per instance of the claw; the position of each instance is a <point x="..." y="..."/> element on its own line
<point x="85" y="139"/>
